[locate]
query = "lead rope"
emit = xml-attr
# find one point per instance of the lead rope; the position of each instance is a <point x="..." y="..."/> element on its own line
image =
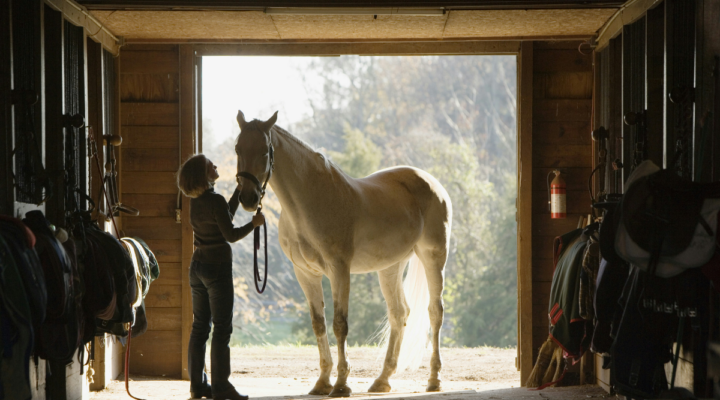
<point x="256" y="245"/>
<point x="127" y="365"/>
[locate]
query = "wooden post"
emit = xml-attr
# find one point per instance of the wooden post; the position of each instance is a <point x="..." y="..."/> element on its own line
<point x="187" y="148"/>
<point x="524" y="210"/>
<point x="6" y="184"/>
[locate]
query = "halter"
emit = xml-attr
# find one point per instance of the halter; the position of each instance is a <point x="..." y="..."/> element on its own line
<point x="256" y="233"/>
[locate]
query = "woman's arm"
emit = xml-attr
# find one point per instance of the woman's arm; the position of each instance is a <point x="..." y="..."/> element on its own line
<point x="223" y="217"/>
<point x="234" y="202"/>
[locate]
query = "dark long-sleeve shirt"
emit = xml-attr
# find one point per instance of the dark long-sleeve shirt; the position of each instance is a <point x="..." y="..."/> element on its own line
<point x="211" y="217"/>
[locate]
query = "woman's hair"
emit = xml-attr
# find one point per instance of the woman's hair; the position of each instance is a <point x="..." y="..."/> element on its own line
<point x="192" y="177"/>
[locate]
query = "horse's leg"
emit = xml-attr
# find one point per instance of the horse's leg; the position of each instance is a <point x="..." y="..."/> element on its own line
<point x="340" y="283"/>
<point x="312" y="287"/>
<point x="398" y="311"/>
<point x="434" y="259"/>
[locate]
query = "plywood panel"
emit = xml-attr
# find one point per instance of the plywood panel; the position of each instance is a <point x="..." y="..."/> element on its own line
<point x="525" y="23"/>
<point x="163" y="296"/>
<point x="149" y="182"/>
<point x="563" y="132"/>
<point x="236" y="25"/>
<point x="562" y="156"/>
<point x="156" y="353"/>
<point x="562" y="110"/>
<point x="543" y="269"/>
<point x="149" y="62"/>
<point x="541" y="331"/>
<point x="149" y="114"/>
<point x="148" y="228"/>
<point x="165" y="251"/>
<point x="163" y="319"/>
<point x="150" y="137"/>
<point x="189" y="24"/>
<point x="169" y="274"/>
<point x="150" y="159"/>
<point x="156" y="88"/>
<point x="543" y="247"/>
<point x="561" y="60"/>
<point x="541" y="293"/>
<point x="540" y="314"/>
<point x="152" y="205"/>
<point x="542" y="226"/>
<point x="563" y="85"/>
<point x="360" y="26"/>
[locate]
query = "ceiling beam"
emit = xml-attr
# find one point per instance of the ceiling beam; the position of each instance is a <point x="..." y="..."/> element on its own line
<point x="257" y="5"/>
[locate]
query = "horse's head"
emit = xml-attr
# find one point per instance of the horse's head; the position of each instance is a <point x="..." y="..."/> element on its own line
<point x="254" y="159"/>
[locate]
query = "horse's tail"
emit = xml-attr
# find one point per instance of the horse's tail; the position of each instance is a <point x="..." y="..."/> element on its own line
<point x="417" y="326"/>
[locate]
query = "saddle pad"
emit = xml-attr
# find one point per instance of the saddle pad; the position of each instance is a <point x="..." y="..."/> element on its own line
<point x="701" y="248"/>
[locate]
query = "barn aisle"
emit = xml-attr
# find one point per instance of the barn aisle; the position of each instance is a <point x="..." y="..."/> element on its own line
<point x="150" y="388"/>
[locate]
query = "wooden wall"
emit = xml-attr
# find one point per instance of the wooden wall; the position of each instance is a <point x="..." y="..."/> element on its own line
<point x="148" y="159"/>
<point x="561" y="125"/>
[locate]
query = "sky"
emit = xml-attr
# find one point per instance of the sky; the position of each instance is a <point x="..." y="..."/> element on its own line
<point x="258" y="86"/>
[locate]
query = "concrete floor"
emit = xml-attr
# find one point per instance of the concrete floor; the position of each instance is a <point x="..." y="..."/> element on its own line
<point x="150" y="388"/>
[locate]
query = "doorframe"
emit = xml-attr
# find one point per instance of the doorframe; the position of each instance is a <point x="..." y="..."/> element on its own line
<point x="191" y="141"/>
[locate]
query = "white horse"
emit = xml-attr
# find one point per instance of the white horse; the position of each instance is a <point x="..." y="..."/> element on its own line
<point x="335" y="225"/>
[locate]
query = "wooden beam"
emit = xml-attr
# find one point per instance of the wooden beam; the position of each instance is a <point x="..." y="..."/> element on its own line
<point x="524" y="211"/>
<point x="7" y="198"/>
<point x="77" y="14"/>
<point x="629" y="13"/>
<point x="380" y="48"/>
<point x="188" y="147"/>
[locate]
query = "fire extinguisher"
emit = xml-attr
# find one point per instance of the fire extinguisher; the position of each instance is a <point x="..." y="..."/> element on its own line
<point x="556" y="196"/>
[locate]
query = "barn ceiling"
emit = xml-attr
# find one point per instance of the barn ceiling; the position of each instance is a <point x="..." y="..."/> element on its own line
<point x="236" y="20"/>
<point x="255" y="4"/>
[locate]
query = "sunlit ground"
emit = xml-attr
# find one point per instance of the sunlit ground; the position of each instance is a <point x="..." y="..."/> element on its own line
<point x="289" y="372"/>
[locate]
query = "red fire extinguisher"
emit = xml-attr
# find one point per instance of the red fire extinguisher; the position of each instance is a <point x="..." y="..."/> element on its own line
<point x="556" y="194"/>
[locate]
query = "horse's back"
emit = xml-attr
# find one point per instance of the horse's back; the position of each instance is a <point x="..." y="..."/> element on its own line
<point x="404" y="181"/>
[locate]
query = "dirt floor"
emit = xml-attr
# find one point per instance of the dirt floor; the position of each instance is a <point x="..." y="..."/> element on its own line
<point x="289" y="372"/>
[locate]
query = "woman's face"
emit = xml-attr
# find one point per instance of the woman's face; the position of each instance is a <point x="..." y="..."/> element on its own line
<point x="212" y="171"/>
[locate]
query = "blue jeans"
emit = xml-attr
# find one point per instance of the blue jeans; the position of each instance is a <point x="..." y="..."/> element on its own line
<point x="212" y="301"/>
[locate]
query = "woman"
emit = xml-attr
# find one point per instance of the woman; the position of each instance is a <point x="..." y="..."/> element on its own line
<point x="211" y="276"/>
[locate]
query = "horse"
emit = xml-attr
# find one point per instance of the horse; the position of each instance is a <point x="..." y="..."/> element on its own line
<point x="335" y="225"/>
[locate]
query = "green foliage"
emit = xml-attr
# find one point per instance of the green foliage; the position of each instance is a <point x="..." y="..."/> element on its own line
<point x="361" y="156"/>
<point x="455" y="118"/>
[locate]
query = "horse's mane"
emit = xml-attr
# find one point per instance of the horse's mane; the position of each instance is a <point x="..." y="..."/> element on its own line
<point x="329" y="164"/>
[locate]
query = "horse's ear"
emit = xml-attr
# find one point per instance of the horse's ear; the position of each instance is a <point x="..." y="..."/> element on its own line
<point x="241" y="119"/>
<point x="269" y="123"/>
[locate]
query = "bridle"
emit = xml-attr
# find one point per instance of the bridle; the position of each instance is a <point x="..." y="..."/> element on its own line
<point x="256" y="233"/>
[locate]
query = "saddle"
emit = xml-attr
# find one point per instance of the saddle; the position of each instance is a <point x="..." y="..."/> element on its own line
<point x="666" y="224"/>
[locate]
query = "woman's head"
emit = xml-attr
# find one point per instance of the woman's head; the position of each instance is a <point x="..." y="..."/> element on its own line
<point x="196" y="175"/>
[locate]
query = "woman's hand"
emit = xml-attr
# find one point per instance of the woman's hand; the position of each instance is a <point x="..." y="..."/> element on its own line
<point x="258" y="219"/>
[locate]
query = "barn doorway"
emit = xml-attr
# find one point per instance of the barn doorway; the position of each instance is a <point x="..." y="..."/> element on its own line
<point x="453" y="116"/>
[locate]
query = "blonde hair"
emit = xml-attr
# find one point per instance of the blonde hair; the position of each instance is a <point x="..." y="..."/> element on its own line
<point x="192" y="177"/>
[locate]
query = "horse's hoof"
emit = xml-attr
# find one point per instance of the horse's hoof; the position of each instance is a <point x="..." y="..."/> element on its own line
<point x="341" y="391"/>
<point x="379" y="387"/>
<point x="321" y="389"/>
<point x="434" y="385"/>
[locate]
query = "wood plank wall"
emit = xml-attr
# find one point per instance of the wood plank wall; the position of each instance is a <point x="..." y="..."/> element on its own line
<point x="149" y="158"/>
<point x="561" y="122"/>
